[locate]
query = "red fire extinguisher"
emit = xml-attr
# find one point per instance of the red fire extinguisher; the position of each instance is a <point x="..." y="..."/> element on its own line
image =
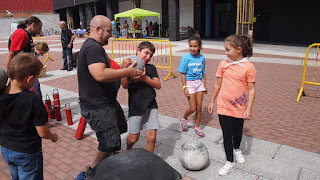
<point x="47" y="103"/>
<point x="81" y="128"/>
<point x="68" y="114"/>
<point x="57" y="112"/>
<point x="56" y="99"/>
<point x="52" y="114"/>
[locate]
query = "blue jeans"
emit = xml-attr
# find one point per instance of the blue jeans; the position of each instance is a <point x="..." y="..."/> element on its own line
<point x="24" y="166"/>
<point x="117" y="33"/>
<point x="37" y="88"/>
<point x="66" y="52"/>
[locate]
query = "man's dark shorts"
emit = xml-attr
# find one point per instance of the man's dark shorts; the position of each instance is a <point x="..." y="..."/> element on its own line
<point x="108" y="123"/>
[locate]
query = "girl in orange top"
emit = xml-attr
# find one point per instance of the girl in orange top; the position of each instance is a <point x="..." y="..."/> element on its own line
<point x="235" y="77"/>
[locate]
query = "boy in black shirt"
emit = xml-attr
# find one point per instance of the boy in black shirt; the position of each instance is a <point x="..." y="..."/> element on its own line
<point x="143" y="108"/>
<point x="23" y="119"/>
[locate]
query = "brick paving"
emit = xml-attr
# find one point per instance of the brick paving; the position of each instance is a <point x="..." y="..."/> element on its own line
<point x="277" y="117"/>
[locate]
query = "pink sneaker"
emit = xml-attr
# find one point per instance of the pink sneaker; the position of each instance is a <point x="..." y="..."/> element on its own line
<point x="199" y="132"/>
<point x="183" y="123"/>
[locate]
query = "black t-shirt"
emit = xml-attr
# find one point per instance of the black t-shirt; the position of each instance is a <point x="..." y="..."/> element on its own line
<point x="142" y="95"/>
<point x="93" y="94"/>
<point x="66" y="37"/>
<point x="19" y="114"/>
<point x="117" y="26"/>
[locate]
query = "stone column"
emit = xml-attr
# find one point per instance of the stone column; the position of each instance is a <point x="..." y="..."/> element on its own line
<point x="83" y="22"/>
<point x="209" y="18"/>
<point x="165" y="19"/>
<point x="197" y="15"/>
<point x="89" y="10"/>
<point x="111" y="8"/>
<point x="174" y="20"/>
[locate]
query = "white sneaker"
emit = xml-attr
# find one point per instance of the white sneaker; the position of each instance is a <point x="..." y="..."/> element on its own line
<point x="238" y="156"/>
<point x="228" y="167"/>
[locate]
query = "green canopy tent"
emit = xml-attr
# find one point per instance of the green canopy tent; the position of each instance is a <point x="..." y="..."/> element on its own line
<point x="139" y="13"/>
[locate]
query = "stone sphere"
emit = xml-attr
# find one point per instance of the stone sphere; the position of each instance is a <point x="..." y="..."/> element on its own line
<point x="140" y="63"/>
<point x="193" y="155"/>
<point x="3" y="78"/>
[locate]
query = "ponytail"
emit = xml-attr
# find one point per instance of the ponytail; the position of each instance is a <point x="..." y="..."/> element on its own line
<point x="22" y="24"/>
<point x="244" y="42"/>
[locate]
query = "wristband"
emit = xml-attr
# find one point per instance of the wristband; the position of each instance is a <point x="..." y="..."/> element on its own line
<point x="183" y="87"/>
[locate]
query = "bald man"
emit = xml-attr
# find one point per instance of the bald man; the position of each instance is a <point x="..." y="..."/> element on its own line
<point x="97" y="89"/>
<point x="67" y="38"/>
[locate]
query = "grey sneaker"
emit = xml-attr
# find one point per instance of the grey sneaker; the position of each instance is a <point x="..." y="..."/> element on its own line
<point x="228" y="167"/>
<point x="238" y="156"/>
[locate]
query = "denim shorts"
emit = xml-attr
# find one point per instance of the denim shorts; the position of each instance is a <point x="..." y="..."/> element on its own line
<point x="23" y="165"/>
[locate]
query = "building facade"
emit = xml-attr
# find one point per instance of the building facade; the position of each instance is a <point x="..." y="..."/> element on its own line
<point x="277" y="22"/>
<point x="23" y="8"/>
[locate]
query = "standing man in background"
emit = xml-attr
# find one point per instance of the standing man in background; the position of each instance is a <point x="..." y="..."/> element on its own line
<point x="67" y="38"/>
<point x="113" y="25"/>
<point x="21" y="40"/>
<point x="118" y="28"/>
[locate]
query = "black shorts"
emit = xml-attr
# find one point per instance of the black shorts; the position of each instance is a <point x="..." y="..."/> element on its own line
<point x="108" y="123"/>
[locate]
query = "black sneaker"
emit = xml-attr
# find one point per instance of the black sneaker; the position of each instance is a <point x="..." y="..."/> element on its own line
<point x="88" y="171"/>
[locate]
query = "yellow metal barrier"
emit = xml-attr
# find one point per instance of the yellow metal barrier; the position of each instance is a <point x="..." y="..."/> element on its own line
<point x="302" y="91"/>
<point x="162" y="58"/>
<point x="42" y="39"/>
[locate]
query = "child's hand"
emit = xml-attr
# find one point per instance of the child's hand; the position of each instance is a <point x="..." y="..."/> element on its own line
<point x="186" y="92"/>
<point x="126" y="62"/>
<point x="139" y="78"/>
<point x="141" y="75"/>
<point x="210" y="108"/>
<point x="247" y="115"/>
<point x="54" y="137"/>
<point x="206" y="90"/>
<point x="133" y="72"/>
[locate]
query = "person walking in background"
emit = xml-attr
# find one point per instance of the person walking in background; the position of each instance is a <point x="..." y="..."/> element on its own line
<point x="118" y="28"/>
<point x="113" y="30"/>
<point x="97" y="89"/>
<point x="136" y="27"/>
<point x="143" y="108"/>
<point x="21" y="41"/>
<point x="151" y="29"/>
<point x="193" y="77"/>
<point x="125" y="29"/>
<point x="23" y="119"/>
<point x="147" y="28"/>
<point x="67" y="38"/>
<point x="235" y="77"/>
<point x="156" y="29"/>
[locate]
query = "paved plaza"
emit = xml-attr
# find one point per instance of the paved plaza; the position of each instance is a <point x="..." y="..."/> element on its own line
<point x="282" y="141"/>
